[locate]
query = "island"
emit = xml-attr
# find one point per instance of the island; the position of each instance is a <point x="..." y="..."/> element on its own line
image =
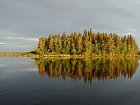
<point x="88" y="44"/>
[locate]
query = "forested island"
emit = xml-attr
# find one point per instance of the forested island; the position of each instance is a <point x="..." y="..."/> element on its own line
<point x="87" y="43"/>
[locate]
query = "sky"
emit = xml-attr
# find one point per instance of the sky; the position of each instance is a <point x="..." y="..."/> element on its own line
<point x="23" y="22"/>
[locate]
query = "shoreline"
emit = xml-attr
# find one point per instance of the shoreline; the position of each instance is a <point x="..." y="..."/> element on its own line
<point x="73" y="56"/>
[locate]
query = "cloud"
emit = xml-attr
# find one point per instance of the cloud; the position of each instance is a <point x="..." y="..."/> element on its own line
<point x="13" y="41"/>
<point x="2" y="43"/>
<point x="20" y="38"/>
<point x="14" y="45"/>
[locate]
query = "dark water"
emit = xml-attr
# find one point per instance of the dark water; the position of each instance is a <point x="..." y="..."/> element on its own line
<point x="69" y="82"/>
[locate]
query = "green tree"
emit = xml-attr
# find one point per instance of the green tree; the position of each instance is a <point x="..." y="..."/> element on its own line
<point x="111" y="45"/>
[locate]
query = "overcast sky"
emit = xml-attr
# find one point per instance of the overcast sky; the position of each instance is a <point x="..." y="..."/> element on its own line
<point x="22" y="22"/>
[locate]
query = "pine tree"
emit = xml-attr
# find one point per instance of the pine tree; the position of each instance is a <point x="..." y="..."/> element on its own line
<point x="111" y="45"/>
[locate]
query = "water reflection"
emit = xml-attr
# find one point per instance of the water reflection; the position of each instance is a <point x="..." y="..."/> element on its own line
<point x="88" y="69"/>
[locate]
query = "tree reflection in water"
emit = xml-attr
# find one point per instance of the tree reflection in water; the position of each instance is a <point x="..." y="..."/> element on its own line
<point x="88" y="69"/>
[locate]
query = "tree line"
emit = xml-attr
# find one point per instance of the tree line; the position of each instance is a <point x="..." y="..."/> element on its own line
<point x="88" y="43"/>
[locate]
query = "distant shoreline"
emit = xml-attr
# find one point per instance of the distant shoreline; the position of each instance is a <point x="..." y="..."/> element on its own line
<point x="18" y="54"/>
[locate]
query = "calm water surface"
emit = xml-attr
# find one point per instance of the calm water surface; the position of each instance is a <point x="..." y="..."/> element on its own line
<point x="69" y="82"/>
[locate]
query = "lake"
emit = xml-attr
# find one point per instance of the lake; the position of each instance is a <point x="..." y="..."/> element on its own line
<point x="69" y="82"/>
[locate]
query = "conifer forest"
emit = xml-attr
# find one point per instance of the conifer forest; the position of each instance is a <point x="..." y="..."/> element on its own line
<point x="88" y="43"/>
